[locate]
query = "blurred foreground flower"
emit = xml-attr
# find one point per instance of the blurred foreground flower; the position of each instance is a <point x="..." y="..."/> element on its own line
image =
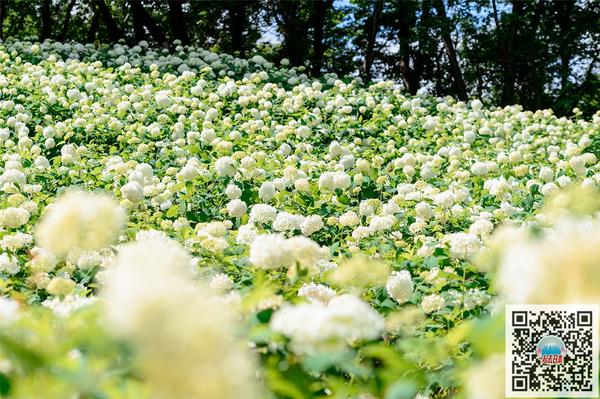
<point x="485" y="379"/>
<point x="183" y="336"/>
<point x="80" y="221"/>
<point x="555" y="264"/>
<point x="359" y="273"/>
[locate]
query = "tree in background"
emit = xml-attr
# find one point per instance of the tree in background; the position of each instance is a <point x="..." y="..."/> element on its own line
<point x="538" y="53"/>
<point x="177" y="21"/>
<point x="292" y="19"/>
<point x="370" y="17"/>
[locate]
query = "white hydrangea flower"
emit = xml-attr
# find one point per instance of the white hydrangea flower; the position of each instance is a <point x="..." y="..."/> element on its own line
<point x="236" y="208"/>
<point x="16" y="241"/>
<point x="423" y="210"/>
<point x="311" y="224"/>
<point x="9" y="264"/>
<point x="400" y="286"/>
<point x="270" y="251"/>
<point x="225" y="166"/>
<point x="285" y="221"/>
<point x="463" y="245"/>
<point x="381" y="223"/>
<point x="133" y="192"/>
<point x="68" y="304"/>
<point x="266" y="191"/>
<point x="432" y="303"/>
<point x="149" y="287"/>
<point x="246" y="234"/>
<point x="233" y="192"/>
<point x="262" y="214"/>
<point x="13" y="176"/>
<point x="349" y="219"/>
<point x="14" y="217"/>
<point x="9" y="310"/>
<point x="316" y="292"/>
<point x="313" y="327"/>
<point x="481" y="228"/>
<point x="305" y="251"/>
<point x="221" y="283"/>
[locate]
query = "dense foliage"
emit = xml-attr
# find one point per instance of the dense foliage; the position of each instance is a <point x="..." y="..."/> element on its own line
<point x="196" y="225"/>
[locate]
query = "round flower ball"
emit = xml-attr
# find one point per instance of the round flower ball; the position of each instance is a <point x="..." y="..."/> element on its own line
<point x="270" y="251"/>
<point x="14" y="217"/>
<point x="80" y="220"/>
<point x="236" y="208"/>
<point x="432" y="303"/>
<point x="133" y="191"/>
<point x="400" y="286"/>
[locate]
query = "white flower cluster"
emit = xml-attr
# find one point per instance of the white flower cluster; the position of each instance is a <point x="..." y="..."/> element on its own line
<point x="432" y="303"/>
<point x="273" y="251"/>
<point x="400" y="286"/>
<point x="317" y="326"/>
<point x="316" y="292"/>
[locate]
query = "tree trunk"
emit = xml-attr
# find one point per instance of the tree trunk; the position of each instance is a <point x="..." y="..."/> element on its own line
<point x="420" y="60"/>
<point x="438" y="62"/>
<point x="412" y="60"/>
<point x="457" y="77"/>
<point x="537" y="71"/>
<point x="46" y="19"/>
<point x="2" y="16"/>
<point x="372" y="27"/>
<point x="138" y="26"/>
<point x="66" y="21"/>
<point x="564" y="11"/>
<point x="407" y="72"/>
<point x="94" y="24"/>
<point x="510" y="75"/>
<point x="178" y="25"/>
<point x="237" y="23"/>
<point x="114" y="32"/>
<point x="287" y="14"/>
<point x="319" y="18"/>
<point x="144" y="18"/>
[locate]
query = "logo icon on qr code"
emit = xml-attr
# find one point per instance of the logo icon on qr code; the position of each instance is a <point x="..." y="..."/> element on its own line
<point x="551" y="351"/>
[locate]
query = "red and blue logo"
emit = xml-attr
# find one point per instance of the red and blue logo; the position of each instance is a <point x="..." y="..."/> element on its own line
<point x="551" y="350"/>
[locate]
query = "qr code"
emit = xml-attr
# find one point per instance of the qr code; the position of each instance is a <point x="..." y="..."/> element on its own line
<point x="552" y="351"/>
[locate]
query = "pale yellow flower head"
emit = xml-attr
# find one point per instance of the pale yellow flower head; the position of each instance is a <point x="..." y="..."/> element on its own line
<point x="360" y="272"/>
<point x="80" y="220"/>
<point x="183" y="336"/>
<point x="485" y="379"/>
<point x="575" y="202"/>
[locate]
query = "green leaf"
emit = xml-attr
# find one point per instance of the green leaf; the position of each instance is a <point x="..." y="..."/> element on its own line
<point x="265" y="315"/>
<point x="431" y="262"/>
<point x="323" y="361"/>
<point x="402" y="390"/>
<point x="4" y="384"/>
<point x="343" y="361"/>
<point x="25" y="355"/>
<point x="173" y="211"/>
<point x="291" y="383"/>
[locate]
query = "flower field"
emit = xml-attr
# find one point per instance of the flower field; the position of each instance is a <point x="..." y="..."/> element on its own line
<point x="193" y="225"/>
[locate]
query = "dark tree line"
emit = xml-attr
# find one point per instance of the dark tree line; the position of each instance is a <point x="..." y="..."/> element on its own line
<point x="538" y="53"/>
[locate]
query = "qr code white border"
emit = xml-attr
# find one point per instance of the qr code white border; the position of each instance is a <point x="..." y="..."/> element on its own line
<point x="509" y="393"/>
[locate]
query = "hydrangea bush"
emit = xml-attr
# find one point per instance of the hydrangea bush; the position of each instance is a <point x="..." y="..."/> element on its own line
<point x="192" y="225"/>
